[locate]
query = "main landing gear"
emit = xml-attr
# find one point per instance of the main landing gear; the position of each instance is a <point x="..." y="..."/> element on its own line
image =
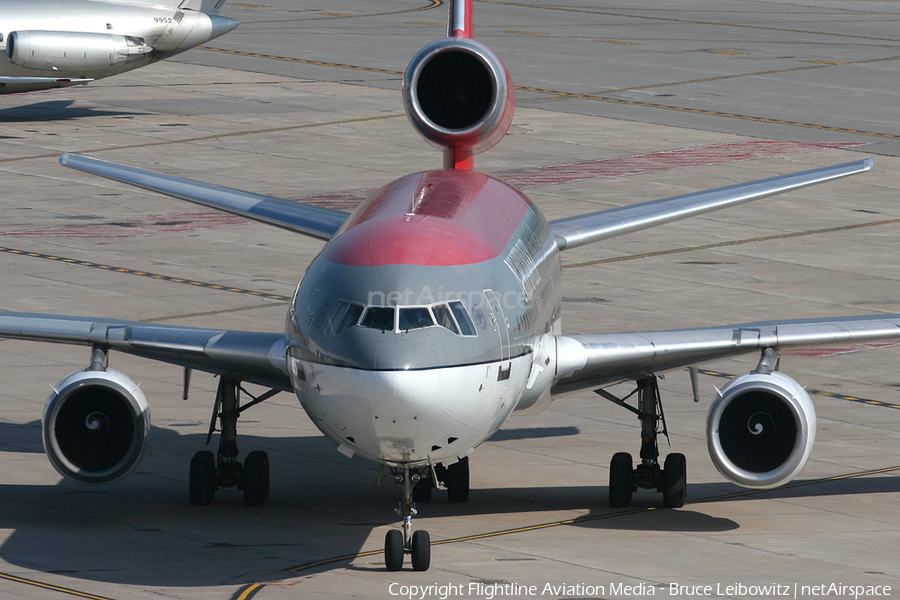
<point x="624" y="479"/>
<point x="396" y="543"/>
<point x="209" y="473"/>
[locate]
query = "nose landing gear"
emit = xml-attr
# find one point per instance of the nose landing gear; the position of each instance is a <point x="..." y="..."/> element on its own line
<point x="398" y="543"/>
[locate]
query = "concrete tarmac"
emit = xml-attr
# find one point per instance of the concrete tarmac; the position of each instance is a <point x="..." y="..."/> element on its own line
<point x="626" y="103"/>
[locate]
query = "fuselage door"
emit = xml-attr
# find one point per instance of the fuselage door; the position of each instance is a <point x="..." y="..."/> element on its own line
<point x="502" y="327"/>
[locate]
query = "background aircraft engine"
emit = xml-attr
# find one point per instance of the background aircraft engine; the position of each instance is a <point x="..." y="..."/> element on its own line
<point x="458" y="94"/>
<point x="72" y="51"/>
<point x="95" y="426"/>
<point x="760" y="429"/>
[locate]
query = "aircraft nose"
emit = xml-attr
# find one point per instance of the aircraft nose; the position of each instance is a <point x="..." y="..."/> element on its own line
<point x="415" y="415"/>
<point x="206" y="27"/>
<point x="221" y="25"/>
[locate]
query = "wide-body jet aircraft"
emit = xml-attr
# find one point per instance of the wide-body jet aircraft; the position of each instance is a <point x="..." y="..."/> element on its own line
<point x="430" y="315"/>
<point x="57" y="43"/>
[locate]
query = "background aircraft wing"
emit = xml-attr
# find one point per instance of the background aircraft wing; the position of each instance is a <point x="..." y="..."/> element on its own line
<point x="247" y="356"/>
<point x="300" y="218"/>
<point x="593" y="227"/>
<point x="13" y="85"/>
<point x="594" y="360"/>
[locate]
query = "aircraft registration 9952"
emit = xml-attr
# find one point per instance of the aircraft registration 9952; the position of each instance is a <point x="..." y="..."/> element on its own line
<point x="431" y="314"/>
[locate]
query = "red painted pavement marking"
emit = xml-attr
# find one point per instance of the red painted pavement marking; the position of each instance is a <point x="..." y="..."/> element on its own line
<point x="613" y="167"/>
<point x="660" y="161"/>
<point x="836" y="350"/>
<point x="521" y="178"/>
<point x="179" y="222"/>
<point x="138" y="227"/>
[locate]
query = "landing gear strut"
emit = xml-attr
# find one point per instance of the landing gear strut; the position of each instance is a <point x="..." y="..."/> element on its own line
<point x="397" y="543"/>
<point x="209" y="472"/>
<point x="454" y="477"/>
<point x="670" y="479"/>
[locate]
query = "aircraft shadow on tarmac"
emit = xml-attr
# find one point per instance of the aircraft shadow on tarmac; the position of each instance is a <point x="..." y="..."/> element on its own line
<point x="55" y="110"/>
<point x="531" y="433"/>
<point x="142" y="530"/>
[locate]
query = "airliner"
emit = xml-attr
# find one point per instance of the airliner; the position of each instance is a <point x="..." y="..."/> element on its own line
<point x="59" y="43"/>
<point x="433" y="312"/>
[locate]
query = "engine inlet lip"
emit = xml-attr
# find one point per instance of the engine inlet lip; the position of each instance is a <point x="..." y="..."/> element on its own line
<point x="805" y="431"/>
<point x="119" y="384"/>
<point x="12" y="46"/>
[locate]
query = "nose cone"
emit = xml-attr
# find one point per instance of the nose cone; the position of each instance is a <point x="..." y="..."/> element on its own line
<point x="220" y="26"/>
<point x="207" y="27"/>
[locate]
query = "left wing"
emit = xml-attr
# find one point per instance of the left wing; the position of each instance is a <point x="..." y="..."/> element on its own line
<point x="242" y="355"/>
<point x="313" y="221"/>
<point x="593" y="227"/>
<point x="595" y="360"/>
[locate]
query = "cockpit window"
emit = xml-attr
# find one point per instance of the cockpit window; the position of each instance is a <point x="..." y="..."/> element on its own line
<point x="466" y="326"/>
<point x="452" y="316"/>
<point x="444" y="317"/>
<point x="415" y="317"/>
<point x="343" y="316"/>
<point x="379" y="317"/>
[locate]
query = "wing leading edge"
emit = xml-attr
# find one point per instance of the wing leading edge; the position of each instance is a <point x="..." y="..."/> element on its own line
<point x="576" y="231"/>
<point x="313" y="221"/>
<point x="243" y="355"/>
<point x="595" y="360"/>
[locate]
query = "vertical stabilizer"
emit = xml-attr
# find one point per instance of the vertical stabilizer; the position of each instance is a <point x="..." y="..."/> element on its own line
<point x="460" y="19"/>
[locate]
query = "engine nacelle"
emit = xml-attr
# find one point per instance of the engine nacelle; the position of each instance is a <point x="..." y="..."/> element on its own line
<point x="95" y="426"/>
<point x="72" y="51"/>
<point x="760" y="429"/>
<point x="458" y="94"/>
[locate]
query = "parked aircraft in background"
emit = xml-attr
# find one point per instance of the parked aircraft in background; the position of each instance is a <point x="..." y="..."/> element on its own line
<point x="58" y="43"/>
<point x="431" y="314"/>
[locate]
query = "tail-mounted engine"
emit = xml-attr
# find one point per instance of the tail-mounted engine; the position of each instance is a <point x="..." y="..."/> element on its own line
<point x="760" y="429"/>
<point x="66" y="51"/>
<point x="459" y="95"/>
<point x="95" y="426"/>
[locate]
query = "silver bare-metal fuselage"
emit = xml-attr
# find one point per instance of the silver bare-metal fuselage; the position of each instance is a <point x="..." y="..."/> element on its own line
<point x="82" y="40"/>
<point x="419" y="327"/>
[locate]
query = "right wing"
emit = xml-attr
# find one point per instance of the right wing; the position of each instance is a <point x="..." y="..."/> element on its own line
<point x="594" y="227"/>
<point x="242" y="355"/>
<point x="313" y="221"/>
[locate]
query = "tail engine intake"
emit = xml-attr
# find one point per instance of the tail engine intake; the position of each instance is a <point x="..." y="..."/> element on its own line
<point x="760" y="429"/>
<point x="95" y="426"/>
<point x="459" y="95"/>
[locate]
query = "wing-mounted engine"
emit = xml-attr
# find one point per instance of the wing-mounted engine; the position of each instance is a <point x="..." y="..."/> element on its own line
<point x="459" y="95"/>
<point x="67" y="51"/>
<point x="760" y="429"/>
<point x="95" y="426"/>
